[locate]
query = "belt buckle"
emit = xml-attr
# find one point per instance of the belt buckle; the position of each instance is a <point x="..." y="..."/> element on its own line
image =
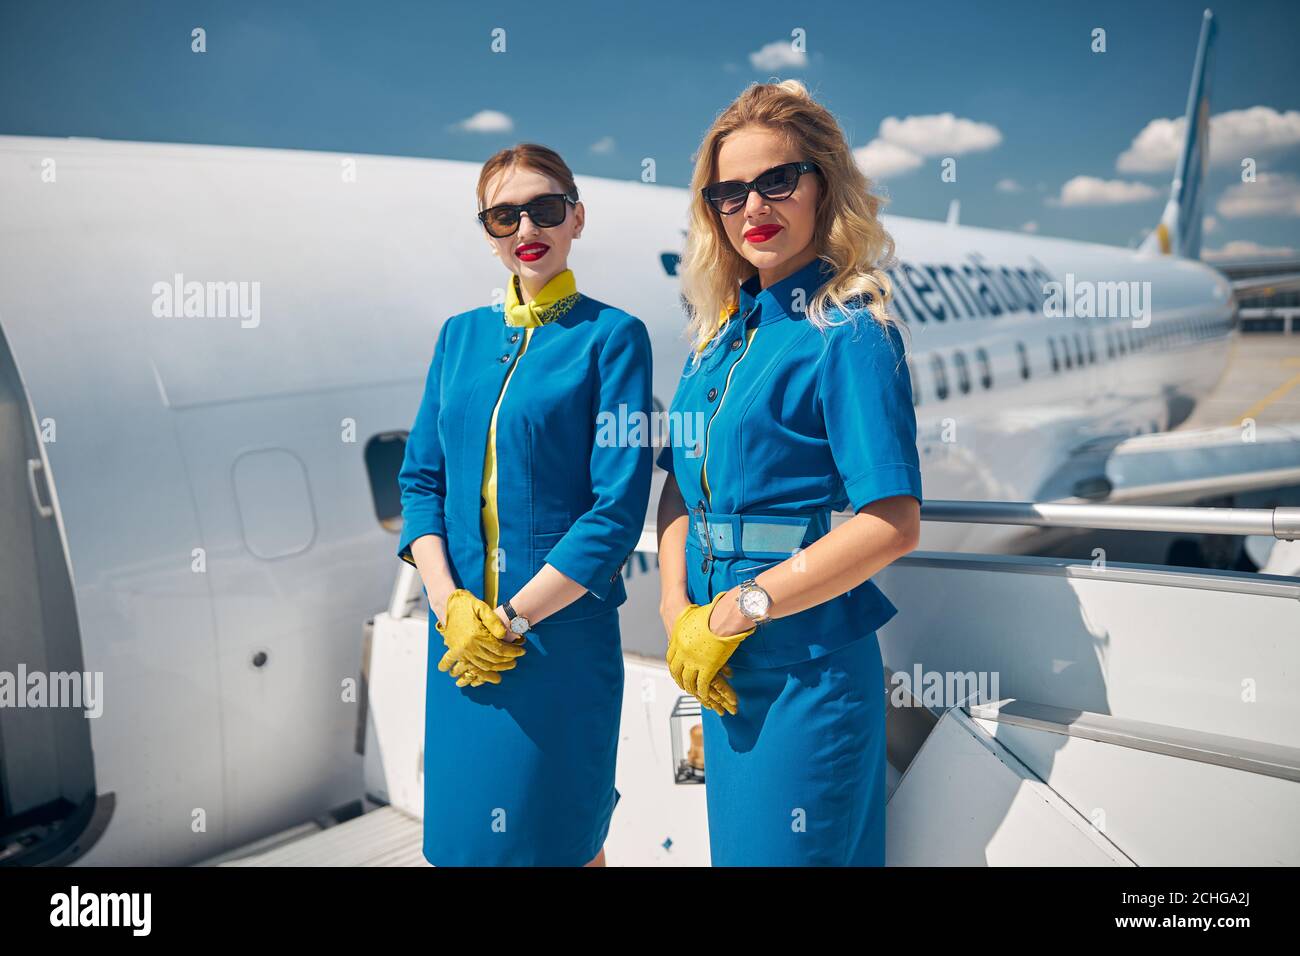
<point x="705" y="538"/>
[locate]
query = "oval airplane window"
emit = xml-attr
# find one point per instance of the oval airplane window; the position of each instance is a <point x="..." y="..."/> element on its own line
<point x="963" y="372"/>
<point x="940" y="377"/>
<point x="383" y="455"/>
<point x="986" y="369"/>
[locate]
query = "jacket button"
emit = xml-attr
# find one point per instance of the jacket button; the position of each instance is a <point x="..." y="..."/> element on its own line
<point x="713" y="393"/>
<point x="515" y="337"/>
<point x="505" y="358"/>
<point x="735" y="344"/>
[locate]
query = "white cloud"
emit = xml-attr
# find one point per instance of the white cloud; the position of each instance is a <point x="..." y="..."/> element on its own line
<point x="778" y="55"/>
<point x="1272" y="194"/>
<point x="1209" y="224"/>
<point x="1008" y="186"/>
<point x="1234" y="135"/>
<point x="1091" y="191"/>
<point x="901" y="144"/>
<point x="1030" y="226"/>
<point x="1245" y="249"/>
<point x="879" y="158"/>
<point x="940" y="134"/>
<point x="487" y="121"/>
<point x="603" y="146"/>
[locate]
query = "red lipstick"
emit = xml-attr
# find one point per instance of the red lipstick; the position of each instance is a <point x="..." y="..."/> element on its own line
<point x="762" y="233"/>
<point x="532" y="251"/>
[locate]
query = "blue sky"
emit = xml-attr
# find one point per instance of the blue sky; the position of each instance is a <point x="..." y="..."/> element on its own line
<point x="609" y="84"/>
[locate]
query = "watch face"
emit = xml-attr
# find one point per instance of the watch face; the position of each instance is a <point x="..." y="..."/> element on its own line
<point x="754" y="603"/>
<point x="519" y="625"/>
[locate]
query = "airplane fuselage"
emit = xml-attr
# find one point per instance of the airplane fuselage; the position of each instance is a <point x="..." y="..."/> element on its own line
<point x="223" y="476"/>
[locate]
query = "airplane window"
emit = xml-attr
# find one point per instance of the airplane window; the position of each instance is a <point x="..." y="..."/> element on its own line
<point x="986" y="370"/>
<point x="1051" y="346"/>
<point x="940" y="377"/>
<point x="916" y="384"/>
<point x="1024" y="359"/>
<point x="1092" y="348"/>
<point x="963" y="372"/>
<point x="1078" y="350"/>
<point x="1065" y="351"/>
<point x="383" y="457"/>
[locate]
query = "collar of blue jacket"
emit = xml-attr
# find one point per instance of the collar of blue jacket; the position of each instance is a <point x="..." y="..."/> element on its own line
<point x="777" y="301"/>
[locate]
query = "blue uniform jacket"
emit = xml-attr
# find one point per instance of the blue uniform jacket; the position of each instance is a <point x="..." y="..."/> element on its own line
<point x="572" y="491"/>
<point x="802" y="422"/>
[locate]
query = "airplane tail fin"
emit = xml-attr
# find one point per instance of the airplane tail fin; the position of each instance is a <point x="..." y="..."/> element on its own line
<point x="1179" y="231"/>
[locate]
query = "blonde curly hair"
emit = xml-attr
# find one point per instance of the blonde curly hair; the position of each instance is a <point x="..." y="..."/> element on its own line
<point x="847" y="232"/>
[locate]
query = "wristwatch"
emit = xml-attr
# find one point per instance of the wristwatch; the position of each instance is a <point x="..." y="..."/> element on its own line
<point x="518" y="623"/>
<point x="753" y="601"/>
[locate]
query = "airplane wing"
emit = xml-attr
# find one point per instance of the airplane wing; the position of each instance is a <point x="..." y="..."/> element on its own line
<point x="1265" y="285"/>
<point x="1180" y="466"/>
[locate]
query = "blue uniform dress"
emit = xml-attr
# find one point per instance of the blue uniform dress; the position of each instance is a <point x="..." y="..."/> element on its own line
<point x="779" y="424"/>
<point x="522" y="772"/>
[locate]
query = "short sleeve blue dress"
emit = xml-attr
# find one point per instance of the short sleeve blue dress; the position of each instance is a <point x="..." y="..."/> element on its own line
<point x="521" y="773"/>
<point x="779" y="424"/>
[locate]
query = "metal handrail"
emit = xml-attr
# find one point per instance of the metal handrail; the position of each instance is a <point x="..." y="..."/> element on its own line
<point x="1280" y="523"/>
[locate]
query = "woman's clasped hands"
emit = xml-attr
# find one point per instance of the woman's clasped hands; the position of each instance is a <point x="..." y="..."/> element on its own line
<point x="477" y="649"/>
<point x="697" y="657"/>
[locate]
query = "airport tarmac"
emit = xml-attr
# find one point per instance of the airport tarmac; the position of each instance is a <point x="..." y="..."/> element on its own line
<point x="1262" y="381"/>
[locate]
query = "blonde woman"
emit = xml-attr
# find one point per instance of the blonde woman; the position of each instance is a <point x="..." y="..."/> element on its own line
<point x="798" y="374"/>
<point x="519" y="520"/>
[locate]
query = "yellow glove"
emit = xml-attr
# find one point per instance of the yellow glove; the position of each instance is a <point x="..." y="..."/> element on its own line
<point x="722" y="697"/>
<point x="475" y="637"/>
<point x="696" y="656"/>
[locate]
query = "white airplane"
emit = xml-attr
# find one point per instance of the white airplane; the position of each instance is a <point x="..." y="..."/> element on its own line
<point x="209" y="359"/>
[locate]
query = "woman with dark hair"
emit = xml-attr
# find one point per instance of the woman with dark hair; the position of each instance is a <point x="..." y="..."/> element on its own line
<point x="519" y="521"/>
<point x="799" y="371"/>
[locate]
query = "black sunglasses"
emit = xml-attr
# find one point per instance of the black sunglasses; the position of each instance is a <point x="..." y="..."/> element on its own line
<point x="545" y="211"/>
<point x="776" y="184"/>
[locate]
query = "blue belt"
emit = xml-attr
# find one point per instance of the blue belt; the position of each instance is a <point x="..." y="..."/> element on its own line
<point x="721" y="535"/>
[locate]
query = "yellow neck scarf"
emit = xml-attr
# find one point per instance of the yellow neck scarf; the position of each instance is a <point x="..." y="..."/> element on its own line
<point x="723" y="318"/>
<point x="557" y="297"/>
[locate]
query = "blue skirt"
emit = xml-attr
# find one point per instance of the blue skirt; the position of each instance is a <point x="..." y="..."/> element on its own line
<point x="521" y="773"/>
<point x="797" y="776"/>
